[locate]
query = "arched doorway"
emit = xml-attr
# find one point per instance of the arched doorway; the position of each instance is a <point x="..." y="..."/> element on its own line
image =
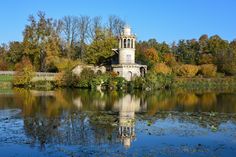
<point x="142" y="71"/>
<point x="129" y="75"/>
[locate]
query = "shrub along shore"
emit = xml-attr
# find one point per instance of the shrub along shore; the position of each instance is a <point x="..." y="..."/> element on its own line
<point x="186" y="77"/>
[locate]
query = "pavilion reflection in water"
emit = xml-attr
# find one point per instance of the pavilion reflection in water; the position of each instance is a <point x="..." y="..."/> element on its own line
<point x="127" y="106"/>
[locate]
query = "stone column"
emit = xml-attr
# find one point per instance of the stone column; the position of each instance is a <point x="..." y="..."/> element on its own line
<point x="134" y="43"/>
<point x="120" y="43"/>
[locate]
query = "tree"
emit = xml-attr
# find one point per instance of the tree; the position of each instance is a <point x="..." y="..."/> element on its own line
<point x="3" y="49"/>
<point x="162" y="68"/>
<point x="3" y="65"/>
<point x="152" y="56"/>
<point x="188" y="51"/>
<point x="101" y="47"/>
<point x="83" y="26"/>
<point x="41" y="40"/>
<point x="208" y="70"/>
<point x="15" y="52"/>
<point x="96" y="25"/>
<point x="3" y="52"/>
<point x="24" y="72"/>
<point x="219" y="49"/>
<point x="115" y="25"/>
<point x="169" y="59"/>
<point x="229" y="60"/>
<point x="71" y="33"/>
<point x="187" y="70"/>
<point x="53" y="50"/>
<point x="203" y="42"/>
<point x="139" y="54"/>
<point x="163" y="48"/>
<point x="206" y="58"/>
<point x="217" y="45"/>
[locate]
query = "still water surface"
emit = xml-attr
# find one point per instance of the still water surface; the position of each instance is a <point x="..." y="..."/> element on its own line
<point x="85" y="123"/>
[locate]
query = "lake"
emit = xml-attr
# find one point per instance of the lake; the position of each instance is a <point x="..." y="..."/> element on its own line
<point x="67" y="122"/>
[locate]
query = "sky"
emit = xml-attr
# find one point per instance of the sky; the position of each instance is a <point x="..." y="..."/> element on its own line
<point x="164" y="20"/>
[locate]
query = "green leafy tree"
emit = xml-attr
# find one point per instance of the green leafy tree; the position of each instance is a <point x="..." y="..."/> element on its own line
<point x="206" y="58"/>
<point x="229" y="60"/>
<point x="163" y="48"/>
<point x="101" y="47"/>
<point x="85" y="78"/>
<point x="203" y="44"/>
<point x="219" y="49"/>
<point x="15" y="53"/>
<point x="187" y="51"/>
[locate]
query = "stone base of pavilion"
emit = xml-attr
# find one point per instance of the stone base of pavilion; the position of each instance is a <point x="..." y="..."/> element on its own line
<point x="129" y="71"/>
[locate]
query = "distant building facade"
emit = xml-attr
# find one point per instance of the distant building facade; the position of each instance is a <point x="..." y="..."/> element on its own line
<point x="127" y="67"/>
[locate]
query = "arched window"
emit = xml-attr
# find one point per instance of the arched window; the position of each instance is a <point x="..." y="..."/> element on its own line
<point x="132" y="45"/>
<point x="128" y="43"/>
<point x="124" y="43"/>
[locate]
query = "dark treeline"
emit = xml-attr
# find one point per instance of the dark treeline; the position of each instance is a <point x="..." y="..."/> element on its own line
<point x="51" y="45"/>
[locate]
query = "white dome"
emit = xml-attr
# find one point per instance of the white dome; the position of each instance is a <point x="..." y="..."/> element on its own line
<point x="127" y="30"/>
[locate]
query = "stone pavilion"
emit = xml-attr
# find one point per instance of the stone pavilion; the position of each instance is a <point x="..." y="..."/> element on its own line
<point x="126" y="66"/>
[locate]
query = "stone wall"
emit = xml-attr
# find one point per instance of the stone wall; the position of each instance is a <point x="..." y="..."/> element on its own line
<point x="78" y="69"/>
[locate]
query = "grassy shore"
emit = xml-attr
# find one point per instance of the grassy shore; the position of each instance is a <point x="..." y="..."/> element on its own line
<point x="6" y="81"/>
<point x="205" y="83"/>
<point x="6" y="78"/>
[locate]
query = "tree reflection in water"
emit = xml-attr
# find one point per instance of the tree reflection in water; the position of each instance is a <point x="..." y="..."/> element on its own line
<point x="82" y="117"/>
